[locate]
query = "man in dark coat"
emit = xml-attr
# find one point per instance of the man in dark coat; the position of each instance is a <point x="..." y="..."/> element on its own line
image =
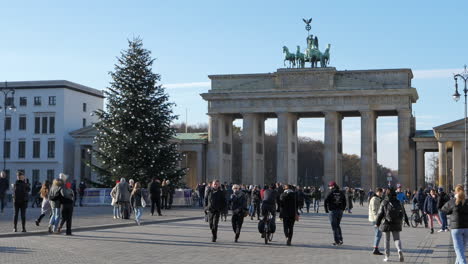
<point x="442" y="200"/>
<point x="288" y="212"/>
<point x="154" y="189"/>
<point x="418" y="201"/>
<point x="239" y="210"/>
<point x="335" y="204"/>
<point x="20" y="200"/>
<point x="216" y="203"/>
<point x="390" y="220"/>
<point x="81" y="191"/>
<point x="256" y="200"/>
<point x="201" y="193"/>
<point x="3" y="188"/>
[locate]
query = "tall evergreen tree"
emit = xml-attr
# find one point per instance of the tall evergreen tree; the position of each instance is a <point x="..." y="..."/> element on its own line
<point x="134" y="133"/>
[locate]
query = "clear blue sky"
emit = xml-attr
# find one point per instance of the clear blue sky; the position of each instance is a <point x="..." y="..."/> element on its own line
<point x="78" y="41"/>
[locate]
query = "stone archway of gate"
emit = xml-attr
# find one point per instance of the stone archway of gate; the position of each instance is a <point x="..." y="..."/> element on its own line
<point x="289" y="94"/>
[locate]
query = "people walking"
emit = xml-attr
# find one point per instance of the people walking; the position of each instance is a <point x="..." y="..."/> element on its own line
<point x="374" y="206"/>
<point x="45" y="205"/>
<point x="334" y="205"/>
<point x="390" y="220"/>
<point x="68" y="198"/>
<point x="123" y="198"/>
<point x="115" y="205"/>
<point x="55" y="200"/>
<point x="154" y="189"/>
<point x="81" y="191"/>
<point x="431" y="210"/>
<point x="442" y="200"/>
<point x="239" y="210"/>
<point x="288" y="212"/>
<point x="300" y="197"/>
<point x="171" y="192"/>
<point x="201" y="193"/>
<point x="418" y="203"/>
<point x="136" y="201"/>
<point x="307" y="198"/>
<point x="20" y="200"/>
<point x="256" y="200"/>
<point x="216" y="203"/>
<point x="458" y="210"/>
<point x="317" y="195"/>
<point x="349" y="199"/>
<point x="164" y="195"/>
<point x="3" y="189"/>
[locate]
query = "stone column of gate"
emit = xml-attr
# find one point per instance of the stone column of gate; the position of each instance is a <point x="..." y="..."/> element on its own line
<point x="404" y="158"/>
<point x="332" y="154"/>
<point x="457" y="159"/>
<point x="421" y="169"/>
<point x="286" y="171"/>
<point x="219" y="154"/>
<point x="442" y="164"/>
<point x="368" y="150"/>
<point x="253" y="141"/>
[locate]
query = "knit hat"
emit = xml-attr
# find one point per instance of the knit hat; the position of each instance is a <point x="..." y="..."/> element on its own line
<point x="332" y="184"/>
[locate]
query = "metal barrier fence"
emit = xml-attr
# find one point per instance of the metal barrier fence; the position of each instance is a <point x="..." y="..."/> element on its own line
<point x="101" y="196"/>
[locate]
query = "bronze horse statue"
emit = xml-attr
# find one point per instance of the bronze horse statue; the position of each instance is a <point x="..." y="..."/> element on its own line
<point x="289" y="57"/>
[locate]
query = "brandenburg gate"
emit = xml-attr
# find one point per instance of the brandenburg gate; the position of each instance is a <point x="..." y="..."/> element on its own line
<point x="294" y="93"/>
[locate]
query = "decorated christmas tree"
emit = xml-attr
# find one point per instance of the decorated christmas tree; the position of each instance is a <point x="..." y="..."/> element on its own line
<point x="135" y="133"/>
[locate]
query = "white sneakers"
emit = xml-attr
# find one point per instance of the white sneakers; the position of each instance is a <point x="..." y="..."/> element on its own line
<point x="386" y="258"/>
<point x="400" y="256"/>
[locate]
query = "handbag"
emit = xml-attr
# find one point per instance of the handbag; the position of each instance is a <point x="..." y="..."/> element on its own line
<point x="143" y="201"/>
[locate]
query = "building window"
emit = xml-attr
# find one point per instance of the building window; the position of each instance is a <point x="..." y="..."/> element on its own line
<point x="50" y="175"/>
<point x="23" y="101"/>
<point x="37" y="125"/>
<point x="35" y="176"/>
<point x="37" y="100"/>
<point x="6" y="149"/>
<point x="51" y="149"/>
<point x="22" y="123"/>
<point x="44" y="125"/>
<point x="8" y="123"/>
<point x="51" y="124"/>
<point x="21" y="149"/>
<point x="9" y="101"/>
<point x="84" y="122"/>
<point x="52" y="100"/>
<point x="36" y="149"/>
<point x="84" y="107"/>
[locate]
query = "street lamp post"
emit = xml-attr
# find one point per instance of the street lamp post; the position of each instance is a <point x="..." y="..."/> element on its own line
<point x="6" y="106"/>
<point x="456" y="96"/>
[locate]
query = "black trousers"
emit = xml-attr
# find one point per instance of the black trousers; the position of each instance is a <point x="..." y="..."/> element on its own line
<point x="155" y="201"/>
<point x="213" y="220"/>
<point x="20" y="206"/>
<point x="237" y="220"/>
<point x="256" y="210"/>
<point x="288" y="226"/>
<point x="164" y="202"/>
<point x="67" y="213"/>
<point x="2" y="202"/>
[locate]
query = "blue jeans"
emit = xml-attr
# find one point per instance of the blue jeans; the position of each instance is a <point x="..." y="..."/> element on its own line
<point x="316" y="204"/>
<point x="117" y="211"/>
<point x="460" y="241"/>
<point x="443" y="218"/>
<point x="55" y="218"/>
<point x="335" y="219"/>
<point x="377" y="235"/>
<point x="138" y="213"/>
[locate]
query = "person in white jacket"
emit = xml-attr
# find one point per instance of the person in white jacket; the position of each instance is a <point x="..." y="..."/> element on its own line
<point x="374" y="206"/>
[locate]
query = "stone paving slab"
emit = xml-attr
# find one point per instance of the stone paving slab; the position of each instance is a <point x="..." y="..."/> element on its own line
<point x="189" y="242"/>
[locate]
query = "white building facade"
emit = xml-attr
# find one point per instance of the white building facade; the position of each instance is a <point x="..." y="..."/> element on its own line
<point x="37" y="134"/>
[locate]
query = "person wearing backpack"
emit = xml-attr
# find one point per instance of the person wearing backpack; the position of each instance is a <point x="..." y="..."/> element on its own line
<point x="390" y="220"/>
<point x="374" y="206"/>
<point x="20" y="200"/>
<point x="335" y="204"/>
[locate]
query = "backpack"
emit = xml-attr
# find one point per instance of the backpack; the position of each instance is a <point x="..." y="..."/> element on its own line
<point x="393" y="212"/>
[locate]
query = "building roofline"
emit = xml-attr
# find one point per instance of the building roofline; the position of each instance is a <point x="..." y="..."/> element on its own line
<point x="51" y="84"/>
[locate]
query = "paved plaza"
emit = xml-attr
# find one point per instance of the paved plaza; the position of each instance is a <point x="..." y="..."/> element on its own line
<point x="181" y="238"/>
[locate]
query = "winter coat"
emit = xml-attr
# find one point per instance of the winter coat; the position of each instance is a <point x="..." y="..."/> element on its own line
<point x="216" y="200"/>
<point x="256" y="196"/>
<point x="165" y="190"/>
<point x="288" y="205"/>
<point x="3" y="186"/>
<point x="349" y="201"/>
<point x="122" y="193"/>
<point x="374" y="206"/>
<point x="336" y="200"/>
<point x="443" y="198"/>
<point x="154" y="189"/>
<point x="317" y="195"/>
<point x="430" y="205"/>
<point x="269" y="197"/>
<point x="419" y="199"/>
<point x="396" y="223"/>
<point x="55" y="196"/>
<point x="20" y="192"/>
<point x="68" y="196"/>
<point x="300" y="198"/>
<point x="135" y="198"/>
<point x="239" y="203"/>
<point x="307" y="196"/>
<point x="458" y="214"/>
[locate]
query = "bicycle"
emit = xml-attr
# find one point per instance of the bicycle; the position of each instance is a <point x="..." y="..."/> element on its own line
<point x="416" y="219"/>
<point x="267" y="233"/>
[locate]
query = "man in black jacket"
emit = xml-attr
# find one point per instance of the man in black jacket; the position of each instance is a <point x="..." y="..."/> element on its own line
<point x="215" y="201"/>
<point x="335" y="204"/>
<point x="239" y="209"/>
<point x="256" y="200"/>
<point x="154" y="189"/>
<point x="3" y="188"/>
<point x="441" y="200"/>
<point x="288" y="212"/>
<point x="20" y="200"/>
